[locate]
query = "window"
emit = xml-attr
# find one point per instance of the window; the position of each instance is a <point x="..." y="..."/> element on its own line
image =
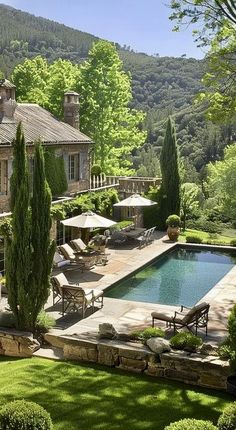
<point x="73" y="167"/>
<point x="3" y="177"/>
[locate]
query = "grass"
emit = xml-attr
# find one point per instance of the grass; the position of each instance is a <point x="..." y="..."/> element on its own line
<point x="208" y="237"/>
<point x="86" y="397"/>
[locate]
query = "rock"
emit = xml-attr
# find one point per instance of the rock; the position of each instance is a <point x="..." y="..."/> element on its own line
<point x="208" y="349"/>
<point x="107" y="331"/>
<point x="158" y="345"/>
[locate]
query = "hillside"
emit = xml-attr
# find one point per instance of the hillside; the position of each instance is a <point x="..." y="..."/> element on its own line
<point x="161" y="85"/>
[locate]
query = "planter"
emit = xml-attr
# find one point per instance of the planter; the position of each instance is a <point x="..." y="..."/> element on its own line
<point x="173" y="233"/>
<point x="231" y="385"/>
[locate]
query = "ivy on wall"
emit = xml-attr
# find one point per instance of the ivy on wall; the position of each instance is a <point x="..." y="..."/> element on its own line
<point x="101" y="202"/>
<point x="55" y="172"/>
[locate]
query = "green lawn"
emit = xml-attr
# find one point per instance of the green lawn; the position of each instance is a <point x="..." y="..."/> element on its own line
<point x="83" y="397"/>
<point x="224" y="238"/>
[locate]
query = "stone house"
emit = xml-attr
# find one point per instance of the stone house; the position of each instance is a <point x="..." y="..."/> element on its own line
<point x="64" y="137"/>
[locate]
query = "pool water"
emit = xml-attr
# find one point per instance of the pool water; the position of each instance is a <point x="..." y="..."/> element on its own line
<point x="182" y="276"/>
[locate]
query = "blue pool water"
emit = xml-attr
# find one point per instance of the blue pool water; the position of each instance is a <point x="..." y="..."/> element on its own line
<point x="182" y="276"/>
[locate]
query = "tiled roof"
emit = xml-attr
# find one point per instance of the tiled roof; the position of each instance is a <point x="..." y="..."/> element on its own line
<point x="39" y="124"/>
<point x="6" y="84"/>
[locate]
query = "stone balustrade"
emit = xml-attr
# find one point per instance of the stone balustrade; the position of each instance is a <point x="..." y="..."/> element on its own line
<point x="125" y="184"/>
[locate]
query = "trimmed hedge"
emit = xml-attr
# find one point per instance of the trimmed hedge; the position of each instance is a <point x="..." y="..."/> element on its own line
<point x="191" y="238"/>
<point x="227" y="420"/>
<point x="23" y="415"/>
<point x="191" y="424"/>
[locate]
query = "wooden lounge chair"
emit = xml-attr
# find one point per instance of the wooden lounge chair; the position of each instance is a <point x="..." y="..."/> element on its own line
<point x="63" y="291"/>
<point x="59" y="260"/>
<point x="191" y="318"/>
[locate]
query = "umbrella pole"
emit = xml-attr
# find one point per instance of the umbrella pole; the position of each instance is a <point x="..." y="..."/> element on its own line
<point x="64" y="234"/>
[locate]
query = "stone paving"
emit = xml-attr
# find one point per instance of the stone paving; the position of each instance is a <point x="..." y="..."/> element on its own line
<point x="128" y="315"/>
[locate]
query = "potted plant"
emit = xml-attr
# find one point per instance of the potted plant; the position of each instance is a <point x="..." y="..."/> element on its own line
<point x="99" y="242"/>
<point x="173" y="230"/>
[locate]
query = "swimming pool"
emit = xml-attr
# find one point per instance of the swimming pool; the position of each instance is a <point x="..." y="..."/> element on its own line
<point x="183" y="276"/>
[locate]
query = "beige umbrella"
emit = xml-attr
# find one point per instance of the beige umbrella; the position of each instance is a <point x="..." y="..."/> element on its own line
<point x="87" y="220"/>
<point x="135" y="201"/>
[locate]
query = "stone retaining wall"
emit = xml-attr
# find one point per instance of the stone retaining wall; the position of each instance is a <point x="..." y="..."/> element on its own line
<point x="202" y="370"/>
<point x="17" y="344"/>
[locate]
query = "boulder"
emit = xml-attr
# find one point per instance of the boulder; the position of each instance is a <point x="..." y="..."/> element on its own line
<point x="158" y="345"/>
<point x="208" y="349"/>
<point x="107" y="331"/>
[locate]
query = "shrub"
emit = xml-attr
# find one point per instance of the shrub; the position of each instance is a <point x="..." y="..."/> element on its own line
<point x="227" y="420"/>
<point x="96" y="170"/>
<point x="147" y="333"/>
<point x="233" y="242"/>
<point x="173" y="221"/>
<point x="185" y="341"/>
<point x="191" y="424"/>
<point x="204" y="225"/>
<point x="23" y="415"/>
<point x="44" y="322"/>
<point x="193" y="238"/>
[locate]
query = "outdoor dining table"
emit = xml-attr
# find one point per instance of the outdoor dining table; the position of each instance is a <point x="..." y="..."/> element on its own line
<point x="133" y="234"/>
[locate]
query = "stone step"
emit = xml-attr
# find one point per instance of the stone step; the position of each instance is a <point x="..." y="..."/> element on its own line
<point x="50" y="353"/>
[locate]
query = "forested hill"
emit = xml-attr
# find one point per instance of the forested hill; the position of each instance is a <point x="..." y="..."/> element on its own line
<point x="157" y="82"/>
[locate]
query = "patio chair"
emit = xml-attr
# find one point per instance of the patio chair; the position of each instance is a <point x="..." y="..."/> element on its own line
<point x="70" y="255"/>
<point x="78" y="245"/>
<point x="143" y="239"/>
<point x="60" y="281"/>
<point x="191" y="318"/>
<point x="59" y="260"/>
<point x="75" y="299"/>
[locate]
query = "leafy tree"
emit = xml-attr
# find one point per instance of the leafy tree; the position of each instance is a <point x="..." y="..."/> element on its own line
<point x="29" y="249"/>
<point x="189" y="200"/>
<point x="62" y="76"/>
<point x="105" y="115"/>
<point x="222" y="182"/>
<point x="170" y="186"/>
<point x="30" y="79"/>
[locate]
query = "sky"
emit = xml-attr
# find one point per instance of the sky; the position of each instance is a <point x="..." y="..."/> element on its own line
<point x="141" y="24"/>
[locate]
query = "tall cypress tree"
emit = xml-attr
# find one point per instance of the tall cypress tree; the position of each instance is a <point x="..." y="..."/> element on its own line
<point x="29" y="248"/>
<point x="170" y="187"/>
<point x="18" y="250"/>
<point x="42" y="247"/>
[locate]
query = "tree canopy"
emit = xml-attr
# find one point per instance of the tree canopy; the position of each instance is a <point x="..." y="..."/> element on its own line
<point x="104" y="112"/>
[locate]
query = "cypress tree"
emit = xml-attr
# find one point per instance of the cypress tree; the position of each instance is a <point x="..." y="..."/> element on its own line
<point x="169" y="200"/>
<point x="29" y="248"/>
<point x="18" y="250"/>
<point x="42" y="247"/>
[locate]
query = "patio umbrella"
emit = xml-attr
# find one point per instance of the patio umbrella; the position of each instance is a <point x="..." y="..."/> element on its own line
<point x="88" y="220"/>
<point x="135" y="201"/>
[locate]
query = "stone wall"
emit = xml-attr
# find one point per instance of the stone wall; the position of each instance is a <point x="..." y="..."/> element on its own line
<point x="17" y="344"/>
<point x="196" y="369"/>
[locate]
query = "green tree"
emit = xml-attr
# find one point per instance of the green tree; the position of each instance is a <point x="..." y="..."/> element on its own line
<point x="18" y="246"/>
<point x="29" y="251"/>
<point x="170" y="186"/>
<point x="62" y="76"/>
<point x="30" y="78"/>
<point x="189" y="194"/>
<point x="43" y="248"/>
<point x="222" y="182"/>
<point x="105" y="115"/>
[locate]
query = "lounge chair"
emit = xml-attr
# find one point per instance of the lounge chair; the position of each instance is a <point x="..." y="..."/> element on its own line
<point x="64" y="291"/>
<point x="191" y="318"/>
<point x="78" y="245"/>
<point x="72" y="256"/>
<point x="59" y="260"/>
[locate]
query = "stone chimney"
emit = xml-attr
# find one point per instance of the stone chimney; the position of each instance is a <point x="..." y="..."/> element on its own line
<point x="7" y="100"/>
<point x="71" y="109"/>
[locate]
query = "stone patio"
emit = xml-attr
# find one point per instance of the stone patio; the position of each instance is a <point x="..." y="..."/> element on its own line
<point x="129" y="315"/>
